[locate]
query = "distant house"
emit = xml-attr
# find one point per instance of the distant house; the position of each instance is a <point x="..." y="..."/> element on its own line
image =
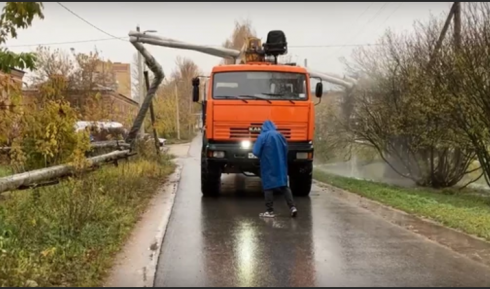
<point x="115" y="97"/>
<point x="121" y="107"/>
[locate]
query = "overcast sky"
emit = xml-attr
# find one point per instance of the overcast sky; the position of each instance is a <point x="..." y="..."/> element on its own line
<point x="313" y="30"/>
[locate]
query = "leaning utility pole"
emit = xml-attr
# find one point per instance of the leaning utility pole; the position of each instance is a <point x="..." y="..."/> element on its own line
<point x="141" y="85"/>
<point x="457" y="30"/>
<point x="152" y="115"/>
<point x="457" y="25"/>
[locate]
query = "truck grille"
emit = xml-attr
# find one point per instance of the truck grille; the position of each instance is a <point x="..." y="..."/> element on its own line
<point x="237" y="131"/>
<point x="243" y="132"/>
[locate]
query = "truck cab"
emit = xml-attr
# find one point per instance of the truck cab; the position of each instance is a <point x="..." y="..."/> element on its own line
<point x="237" y="100"/>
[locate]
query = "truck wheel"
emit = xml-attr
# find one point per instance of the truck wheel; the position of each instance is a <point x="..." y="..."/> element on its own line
<point x="210" y="179"/>
<point x="300" y="182"/>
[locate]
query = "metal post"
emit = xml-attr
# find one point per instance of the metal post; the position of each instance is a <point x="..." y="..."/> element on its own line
<point x="141" y="86"/>
<point x="177" y="111"/>
<point x="190" y="116"/>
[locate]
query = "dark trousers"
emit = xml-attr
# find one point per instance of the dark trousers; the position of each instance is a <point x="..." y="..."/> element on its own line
<point x="269" y="197"/>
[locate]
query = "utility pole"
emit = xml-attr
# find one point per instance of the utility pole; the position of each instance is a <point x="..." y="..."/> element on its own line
<point x="457" y="25"/>
<point x="177" y="118"/>
<point x="306" y="62"/>
<point x="141" y="86"/>
<point x="191" y="117"/>
<point x="449" y="18"/>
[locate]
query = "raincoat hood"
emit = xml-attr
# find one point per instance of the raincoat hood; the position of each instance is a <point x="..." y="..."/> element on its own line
<point x="268" y="126"/>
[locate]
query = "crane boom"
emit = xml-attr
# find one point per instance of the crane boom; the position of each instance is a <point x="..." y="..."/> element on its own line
<point x="222" y="52"/>
<point x="172" y="43"/>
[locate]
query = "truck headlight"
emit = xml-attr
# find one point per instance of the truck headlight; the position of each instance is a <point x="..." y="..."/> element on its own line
<point x="302" y="156"/>
<point x="218" y="154"/>
<point x="246" y="144"/>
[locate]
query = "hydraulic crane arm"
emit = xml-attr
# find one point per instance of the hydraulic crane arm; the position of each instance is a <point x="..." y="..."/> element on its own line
<point x="347" y="83"/>
<point x="167" y="42"/>
<point x="221" y="52"/>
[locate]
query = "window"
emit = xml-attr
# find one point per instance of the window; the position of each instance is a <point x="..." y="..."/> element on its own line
<point x="260" y="85"/>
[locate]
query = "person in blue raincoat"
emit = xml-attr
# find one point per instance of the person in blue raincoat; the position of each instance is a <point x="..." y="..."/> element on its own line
<point x="272" y="150"/>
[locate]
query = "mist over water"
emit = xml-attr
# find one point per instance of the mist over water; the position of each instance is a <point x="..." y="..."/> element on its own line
<point x="376" y="171"/>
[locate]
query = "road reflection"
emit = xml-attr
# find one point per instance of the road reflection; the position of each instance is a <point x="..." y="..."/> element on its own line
<point x="241" y="249"/>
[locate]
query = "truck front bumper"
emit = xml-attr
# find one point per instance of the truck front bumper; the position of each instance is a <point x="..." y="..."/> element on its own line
<point x="237" y="153"/>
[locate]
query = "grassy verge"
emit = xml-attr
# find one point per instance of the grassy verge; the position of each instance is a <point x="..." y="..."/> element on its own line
<point x="68" y="234"/>
<point x="460" y="210"/>
<point x="5" y="171"/>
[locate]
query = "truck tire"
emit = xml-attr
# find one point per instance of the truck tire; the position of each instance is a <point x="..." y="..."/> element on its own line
<point x="300" y="181"/>
<point x="210" y="178"/>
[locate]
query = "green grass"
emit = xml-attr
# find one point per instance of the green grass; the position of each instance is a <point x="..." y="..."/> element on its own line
<point x="453" y="208"/>
<point x="5" y="171"/>
<point x="68" y="234"/>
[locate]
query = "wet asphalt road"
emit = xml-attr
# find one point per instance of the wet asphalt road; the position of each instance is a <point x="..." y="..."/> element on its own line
<point x="223" y="242"/>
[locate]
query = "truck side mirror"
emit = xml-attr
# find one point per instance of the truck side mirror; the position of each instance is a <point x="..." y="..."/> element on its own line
<point x="319" y="90"/>
<point x="195" y="89"/>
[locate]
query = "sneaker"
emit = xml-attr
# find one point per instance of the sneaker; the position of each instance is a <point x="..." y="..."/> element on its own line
<point x="294" y="212"/>
<point x="267" y="215"/>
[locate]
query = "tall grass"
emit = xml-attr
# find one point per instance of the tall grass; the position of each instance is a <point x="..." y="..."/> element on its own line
<point x="67" y="234"/>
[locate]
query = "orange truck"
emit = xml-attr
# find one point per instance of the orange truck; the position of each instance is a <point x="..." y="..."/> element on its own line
<point x="238" y="98"/>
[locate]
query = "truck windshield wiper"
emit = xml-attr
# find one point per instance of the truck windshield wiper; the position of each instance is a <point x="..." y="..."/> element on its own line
<point x="256" y="97"/>
<point x="232" y="97"/>
<point x="278" y="94"/>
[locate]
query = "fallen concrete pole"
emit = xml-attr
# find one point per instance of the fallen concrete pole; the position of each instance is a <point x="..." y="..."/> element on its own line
<point x="94" y="145"/>
<point x="110" y="144"/>
<point x="30" y="178"/>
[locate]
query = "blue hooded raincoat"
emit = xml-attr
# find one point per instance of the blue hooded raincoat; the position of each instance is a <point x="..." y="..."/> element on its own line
<point x="271" y="149"/>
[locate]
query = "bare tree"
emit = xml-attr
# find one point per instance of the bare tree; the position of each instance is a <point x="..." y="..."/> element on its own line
<point x="466" y="77"/>
<point x="242" y="31"/>
<point x="84" y="74"/>
<point x="401" y="110"/>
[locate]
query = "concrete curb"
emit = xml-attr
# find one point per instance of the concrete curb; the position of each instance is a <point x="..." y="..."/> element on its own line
<point x="136" y="264"/>
<point x="162" y="229"/>
<point x="469" y="246"/>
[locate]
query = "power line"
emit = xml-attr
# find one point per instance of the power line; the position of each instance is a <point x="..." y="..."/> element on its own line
<point x="86" y="21"/>
<point x="371" y="20"/>
<point x="66" y="42"/>
<point x="364" y="26"/>
<point x="391" y="14"/>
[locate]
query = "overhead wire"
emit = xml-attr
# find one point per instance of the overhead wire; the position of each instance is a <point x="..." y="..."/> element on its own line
<point x="363" y="27"/>
<point x="389" y="16"/>
<point x="125" y="38"/>
<point x="88" y="22"/>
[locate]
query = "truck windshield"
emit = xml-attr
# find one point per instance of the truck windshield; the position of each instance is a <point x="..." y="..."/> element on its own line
<point x="260" y="85"/>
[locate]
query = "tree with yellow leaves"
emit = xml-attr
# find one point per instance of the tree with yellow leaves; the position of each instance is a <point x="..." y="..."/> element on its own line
<point x="47" y="133"/>
<point x="177" y="91"/>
